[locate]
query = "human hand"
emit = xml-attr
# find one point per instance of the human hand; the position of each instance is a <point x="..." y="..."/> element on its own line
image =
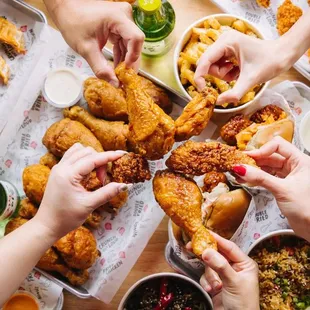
<point x="231" y="277"/>
<point x="259" y="61"/>
<point x="286" y="174"/>
<point x="66" y="203"/>
<point x="91" y="25"/>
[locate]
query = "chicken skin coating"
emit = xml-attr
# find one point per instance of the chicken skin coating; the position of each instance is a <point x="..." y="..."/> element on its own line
<point x="287" y="15"/>
<point x="181" y="199"/>
<point x="78" y="248"/>
<point x="235" y="125"/>
<point x="4" y="71"/>
<point x="104" y="100"/>
<point x="27" y="209"/>
<point x="130" y="168"/>
<point x="14" y="224"/>
<point x="270" y="113"/>
<point x="93" y="220"/>
<point x="116" y="203"/>
<point x="35" y="178"/>
<point x="151" y="130"/>
<point x="63" y="134"/>
<point x="49" y="160"/>
<point x="111" y="135"/>
<point x="212" y="179"/>
<point x="263" y="3"/>
<point x="198" y="158"/>
<point x="196" y="115"/>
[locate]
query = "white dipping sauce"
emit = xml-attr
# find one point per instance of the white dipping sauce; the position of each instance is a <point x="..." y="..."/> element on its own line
<point x="63" y="87"/>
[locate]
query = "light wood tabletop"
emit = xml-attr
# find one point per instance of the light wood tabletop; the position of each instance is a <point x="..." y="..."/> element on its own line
<point x="152" y="259"/>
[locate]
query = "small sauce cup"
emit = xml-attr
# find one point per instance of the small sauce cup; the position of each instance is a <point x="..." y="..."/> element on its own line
<point x="22" y="300"/>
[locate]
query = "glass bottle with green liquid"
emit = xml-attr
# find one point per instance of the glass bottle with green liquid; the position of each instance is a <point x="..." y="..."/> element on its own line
<point x="156" y="18"/>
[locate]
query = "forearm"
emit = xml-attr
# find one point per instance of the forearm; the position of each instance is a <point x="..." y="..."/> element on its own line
<point x="20" y="251"/>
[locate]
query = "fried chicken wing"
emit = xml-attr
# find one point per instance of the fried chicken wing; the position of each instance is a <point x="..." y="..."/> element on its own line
<point x="130" y="168"/>
<point x="116" y="203"/>
<point x="91" y="182"/>
<point x="9" y="34"/>
<point x="196" y="115"/>
<point x="287" y="15"/>
<point x="212" y="179"/>
<point x="111" y="135"/>
<point x="49" y="160"/>
<point x="27" y="209"/>
<point x="268" y="114"/>
<point x="93" y="220"/>
<point x="181" y="199"/>
<point x="263" y="3"/>
<point x="14" y="224"/>
<point x="151" y="131"/>
<point x="235" y="125"/>
<point x="198" y="158"/>
<point x="4" y="71"/>
<point x="104" y="100"/>
<point x="78" y="248"/>
<point x="63" y="134"/>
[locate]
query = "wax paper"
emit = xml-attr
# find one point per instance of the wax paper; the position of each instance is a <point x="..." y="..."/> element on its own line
<point x="265" y="19"/>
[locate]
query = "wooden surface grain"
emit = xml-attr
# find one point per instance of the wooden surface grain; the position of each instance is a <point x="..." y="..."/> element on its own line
<point x="152" y="260"/>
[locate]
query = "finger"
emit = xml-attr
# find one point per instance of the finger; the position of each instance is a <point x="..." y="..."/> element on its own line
<point x="220" y="265"/>
<point x="232" y="75"/>
<point x="205" y="284"/>
<point x="189" y="246"/>
<point x="221" y="68"/>
<point x="82" y="153"/>
<point x="116" y="54"/>
<point x="76" y="147"/>
<point x="213" y="279"/>
<point x="101" y="173"/>
<point x="123" y="50"/>
<point x="134" y="48"/>
<point x="275" y="161"/>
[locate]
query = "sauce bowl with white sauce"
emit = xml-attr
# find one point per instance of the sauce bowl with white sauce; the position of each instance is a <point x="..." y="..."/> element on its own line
<point x="63" y="87"/>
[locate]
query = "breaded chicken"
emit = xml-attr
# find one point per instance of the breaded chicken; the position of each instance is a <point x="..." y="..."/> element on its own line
<point x="287" y="15"/>
<point x="212" y="179"/>
<point x="49" y="160"/>
<point x="196" y="115"/>
<point x="93" y="220"/>
<point x="78" y="248"/>
<point x="263" y="3"/>
<point x="4" y="71"/>
<point x="116" y="203"/>
<point x="269" y="114"/>
<point x="181" y="199"/>
<point x="235" y="124"/>
<point x="130" y="168"/>
<point x="27" y="209"/>
<point x="198" y="158"/>
<point x="91" y="182"/>
<point x="14" y="223"/>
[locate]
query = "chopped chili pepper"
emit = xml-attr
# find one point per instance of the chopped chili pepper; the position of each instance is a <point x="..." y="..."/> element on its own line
<point x="163" y="287"/>
<point x="164" y="302"/>
<point x="290" y="251"/>
<point x="277" y="241"/>
<point x="188" y="308"/>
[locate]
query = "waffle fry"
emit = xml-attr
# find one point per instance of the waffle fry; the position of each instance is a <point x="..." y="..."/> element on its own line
<point x="9" y="34"/>
<point x="4" y="71"/>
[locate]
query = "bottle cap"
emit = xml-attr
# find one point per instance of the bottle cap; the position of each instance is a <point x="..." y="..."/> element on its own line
<point x="149" y="5"/>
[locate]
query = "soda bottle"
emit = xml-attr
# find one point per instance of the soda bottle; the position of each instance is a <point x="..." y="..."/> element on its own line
<point x="9" y="200"/>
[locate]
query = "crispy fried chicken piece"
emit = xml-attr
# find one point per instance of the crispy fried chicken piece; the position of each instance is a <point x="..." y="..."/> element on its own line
<point x="63" y="134"/>
<point x="49" y="160"/>
<point x="116" y="203"/>
<point x="235" y="124"/>
<point x="287" y="15"/>
<point x="263" y="3"/>
<point x="198" y="158"/>
<point x="270" y="113"/>
<point x="35" y="178"/>
<point x="10" y="35"/>
<point x="27" y="209"/>
<point x="196" y="115"/>
<point x="14" y="224"/>
<point x="78" y="248"/>
<point x="111" y="135"/>
<point x="212" y="179"/>
<point x="151" y="131"/>
<point x="104" y="100"/>
<point x="130" y="168"/>
<point x="91" y="182"/>
<point x="93" y="220"/>
<point x="181" y="199"/>
<point x="4" y="71"/>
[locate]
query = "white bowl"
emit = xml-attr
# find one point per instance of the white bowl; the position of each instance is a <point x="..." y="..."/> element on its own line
<point x="161" y="275"/>
<point x="304" y="131"/>
<point x="223" y="19"/>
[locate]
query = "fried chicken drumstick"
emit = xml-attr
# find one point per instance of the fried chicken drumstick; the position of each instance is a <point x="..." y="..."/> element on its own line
<point x="181" y="199"/>
<point x="198" y="158"/>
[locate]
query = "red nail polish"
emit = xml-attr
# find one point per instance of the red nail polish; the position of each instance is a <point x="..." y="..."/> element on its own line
<point x="240" y="170"/>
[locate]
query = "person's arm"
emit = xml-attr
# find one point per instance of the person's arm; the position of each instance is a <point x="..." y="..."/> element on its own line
<point x="87" y="25"/>
<point x="21" y="249"/>
<point x="259" y="60"/>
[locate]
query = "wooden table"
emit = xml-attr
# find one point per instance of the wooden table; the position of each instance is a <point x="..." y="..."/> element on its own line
<point x="152" y="260"/>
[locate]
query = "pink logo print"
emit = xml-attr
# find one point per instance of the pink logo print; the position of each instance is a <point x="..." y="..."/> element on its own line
<point x="256" y="236"/>
<point x="298" y="111"/>
<point x="246" y="224"/>
<point x="121" y="230"/>
<point x="8" y="163"/>
<point x="145" y="208"/>
<point x="159" y="165"/>
<point x="102" y="261"/>
<point x="26" y="112"/>
<point x="79" y="63"/>
<point x="37" y="275"/>
<point x="122" y="254"/>
<point x="33" y="144"/>
<point x="108" y="226"/>
<point x="23" y="28"/>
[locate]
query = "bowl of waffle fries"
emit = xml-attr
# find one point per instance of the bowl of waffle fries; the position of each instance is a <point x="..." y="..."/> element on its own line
<point x="195" y="41"/>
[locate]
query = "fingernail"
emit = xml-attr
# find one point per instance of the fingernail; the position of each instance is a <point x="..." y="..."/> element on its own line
<point x="240" y="170"/>
<point x="126" y="187"/>
<point x="216" y="285"/>
<point x="121" y="152"/>
<point x="114" y="83"/>
<point x="207" y="288"/>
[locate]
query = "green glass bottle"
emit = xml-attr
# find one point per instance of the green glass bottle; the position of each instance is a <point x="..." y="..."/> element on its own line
<point x="156" y="18"/>
<point x="9" y="200"/>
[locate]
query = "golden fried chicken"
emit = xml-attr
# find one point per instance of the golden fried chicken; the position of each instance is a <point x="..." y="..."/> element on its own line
<point x="49" y="160"/>
<point x="27" y="209"/>
<point x="116" y="203"/>
<point x="181" y="199"/>
<point x="111" y="135"/>
<point x="212" y="179"/>
<point x="14" y="224"/>
<point x="104" y="100"/>
<point x="268" y="114"/>
<point x="263" y="3"/>
<point x="91" y="182"/>
<point x="130" y="168"/>
<point x="4" y="71"/>
<point x="78" y="248"/>
<point x="198" y="158"/>
<point x="63" y="134"/>
<point x="10" y="35"/>
<point x="151" y="130"/>
<point x="35" y="178"/>
<point x="287" y="15"/>
<point x="235" y="124"/>
<point x="93" y="220"/>
<point x="196" y="115"/>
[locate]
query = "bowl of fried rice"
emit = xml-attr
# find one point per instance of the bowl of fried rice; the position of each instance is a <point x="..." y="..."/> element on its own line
<point x="284" y="270"/>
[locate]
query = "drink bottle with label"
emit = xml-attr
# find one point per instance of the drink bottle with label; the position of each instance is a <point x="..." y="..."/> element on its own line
<point x="9" y="200"/>
<point x="156" y="18"/>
